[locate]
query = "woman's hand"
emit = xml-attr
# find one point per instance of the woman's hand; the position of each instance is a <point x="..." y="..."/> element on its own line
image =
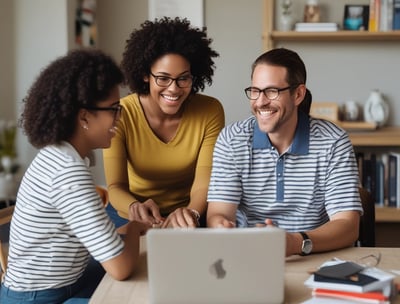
<point x="183" y="218"/>
<point x="146" y="212"/>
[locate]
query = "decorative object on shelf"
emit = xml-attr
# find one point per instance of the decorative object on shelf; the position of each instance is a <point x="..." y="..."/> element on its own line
<point x="351" y="111"/>
<point x="85" y="23"/>
<point x="316" y="27"/>
<point x="376" y="109"/>
<point x="8" y="131"/>
<point x="356" y="17"/>
<point x="325" y="110"/>
<point x="286" y="18"/>
<point x="312" y="11"/>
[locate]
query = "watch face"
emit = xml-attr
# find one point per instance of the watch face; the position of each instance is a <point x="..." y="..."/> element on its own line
<point x="307" y="246"/>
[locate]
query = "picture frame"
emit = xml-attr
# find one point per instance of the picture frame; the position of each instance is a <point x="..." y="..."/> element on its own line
<point x="86" y="23"/>
<point x="356" y="17"/>
<point x="193" y="10"/>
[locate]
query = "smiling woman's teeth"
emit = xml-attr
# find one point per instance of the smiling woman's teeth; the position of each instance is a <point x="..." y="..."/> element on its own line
<point x="172" y="98"/>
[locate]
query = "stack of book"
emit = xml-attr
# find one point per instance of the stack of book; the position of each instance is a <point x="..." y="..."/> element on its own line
<point x="384" y="15"/>
<point x="378" y="170"/>
<point x="347" y="281"/>
<point x="316" y="27"/>
<point x="394" y="180"/>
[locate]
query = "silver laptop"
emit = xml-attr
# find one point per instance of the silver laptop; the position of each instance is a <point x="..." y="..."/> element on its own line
<point x="240" y="265"/>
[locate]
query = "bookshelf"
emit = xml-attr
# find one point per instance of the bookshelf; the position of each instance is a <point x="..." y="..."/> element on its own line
<point x="384" y="137"/>
<point x="387" y="219"/>
<point x="387" y="215"/>
<point x="271" y="36"/>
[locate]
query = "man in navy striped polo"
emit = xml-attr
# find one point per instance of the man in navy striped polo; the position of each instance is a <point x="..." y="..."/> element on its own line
<point x="283" y="168"/>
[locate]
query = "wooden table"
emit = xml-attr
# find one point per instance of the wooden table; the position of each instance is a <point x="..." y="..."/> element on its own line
<point x="135" y="289"/>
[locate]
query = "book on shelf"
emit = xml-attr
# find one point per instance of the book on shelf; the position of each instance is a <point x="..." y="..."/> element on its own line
<point x="373" y="172"/>
<point x="394" y="180"/>
<point x="367" y="280"/>
<point x="369" y="174"/>
<point x="380" y="183"/>
<point x="396" y="15"/>
<point x="386" y="15"/>
<point x="316" y="27"/>
<point x="374" y="15"/>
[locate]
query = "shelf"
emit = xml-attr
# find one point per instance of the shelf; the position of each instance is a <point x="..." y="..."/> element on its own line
<point x="384" y="137"/>
<point x="334" y="36"/>
<point x="387" y="215"/>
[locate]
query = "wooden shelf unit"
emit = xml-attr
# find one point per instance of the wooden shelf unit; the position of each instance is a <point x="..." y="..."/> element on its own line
<point x="335" y="36"/>
<point x="386" y="137"/>
<point x="271" y="36"/>
<point x="383" y="137"/>
<point x="387" y="215"/>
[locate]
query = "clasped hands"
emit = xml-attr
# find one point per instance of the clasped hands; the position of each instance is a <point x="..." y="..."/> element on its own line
<point x="149" y="213"/>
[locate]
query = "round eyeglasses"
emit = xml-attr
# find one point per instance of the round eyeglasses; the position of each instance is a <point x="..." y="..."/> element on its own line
<point x="181" y="81"/>
<point x="116" y="109"/>
<point x="253" y="93"/>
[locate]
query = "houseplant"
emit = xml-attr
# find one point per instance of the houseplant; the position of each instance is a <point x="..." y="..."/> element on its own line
<point x="8" y="163"/>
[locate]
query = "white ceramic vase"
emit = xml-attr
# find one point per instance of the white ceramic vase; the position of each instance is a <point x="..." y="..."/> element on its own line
<point x="286" y="22"/>
<point x="376" y="109"/>
<point x="351" y="111"/>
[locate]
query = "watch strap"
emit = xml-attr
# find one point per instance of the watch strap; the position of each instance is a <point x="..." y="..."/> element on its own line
<point x="304" y="235"/>
<point x="305" y="238"/>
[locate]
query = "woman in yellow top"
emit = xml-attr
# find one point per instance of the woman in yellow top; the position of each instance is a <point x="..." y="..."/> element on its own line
<point x="159" y="163"/>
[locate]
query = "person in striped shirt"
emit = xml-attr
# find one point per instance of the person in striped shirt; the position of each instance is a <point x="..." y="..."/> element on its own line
<point x="281" y="167"/>
<point x="59" y="221"/>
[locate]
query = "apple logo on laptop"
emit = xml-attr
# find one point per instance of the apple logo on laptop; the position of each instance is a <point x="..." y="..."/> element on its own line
<point x="217" y="269"/>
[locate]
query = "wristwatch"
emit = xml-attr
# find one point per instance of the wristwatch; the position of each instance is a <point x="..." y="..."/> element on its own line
<point x="306" y="246"/>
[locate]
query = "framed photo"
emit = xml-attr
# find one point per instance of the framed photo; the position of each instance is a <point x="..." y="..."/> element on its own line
<point x="356" y="17"/>
<point x="85" y="23"/>
<point x="193" y="10"/>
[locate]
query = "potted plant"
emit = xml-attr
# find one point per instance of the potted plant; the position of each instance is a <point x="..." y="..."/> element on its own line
<point x="8" y="164"/>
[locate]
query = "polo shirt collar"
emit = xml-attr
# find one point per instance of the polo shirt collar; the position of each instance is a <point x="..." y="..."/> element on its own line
<point x="301" y="139"/>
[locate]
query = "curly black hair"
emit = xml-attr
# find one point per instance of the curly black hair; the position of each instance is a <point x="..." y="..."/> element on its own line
<point x="80" y="78"/>
<point x="167" y="36"/>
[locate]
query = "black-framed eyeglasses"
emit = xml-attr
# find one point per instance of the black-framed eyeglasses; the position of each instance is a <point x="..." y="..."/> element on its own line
<point x="370" y="260"/>
<point x="116" y="109"/>
<point x="181" y="81"/>
<point x="253" y="93"/>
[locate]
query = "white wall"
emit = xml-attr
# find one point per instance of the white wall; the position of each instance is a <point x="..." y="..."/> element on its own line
<point x="41" y="35"/>
<point x="235" y="26"/>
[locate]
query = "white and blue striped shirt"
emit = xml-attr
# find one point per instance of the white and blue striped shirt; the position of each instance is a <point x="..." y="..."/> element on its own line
<point x="58" y="221"/>
<point x="300" y="189"/>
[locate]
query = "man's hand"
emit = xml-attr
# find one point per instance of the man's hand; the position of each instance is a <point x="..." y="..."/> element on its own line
<point x="146" y="212"/>
<point x="267" y="222"/>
